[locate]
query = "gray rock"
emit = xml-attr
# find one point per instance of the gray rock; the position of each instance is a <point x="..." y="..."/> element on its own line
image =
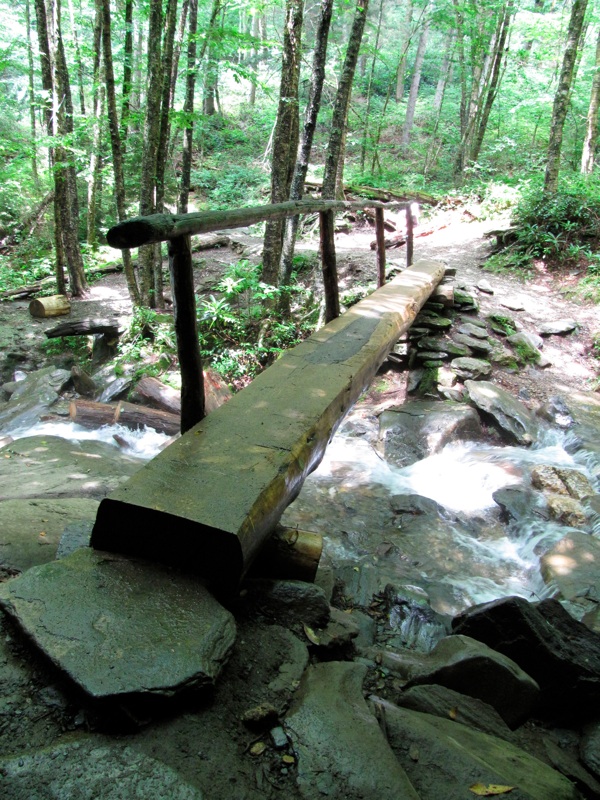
<point x="590" y="747"/>
<point x="340" y="631"/>
<point x="32" y="397"/>
<point x="527" y="352"/>
<point x="117" y="626"/>
<point x="532" y="339"/>
<point x="469" y="329"/>
<point x="30" y="530"/>
<point x="572" y="566"/>
<point x="448" y="704"/>
<point x="75" y="536"/>
<point x="49" y="466"/>
<point x="513" y="303"/>
<point x="512" y="418"/>
<point x="115" y="390"/>
<point x="473" y="343"/>
<point x="342" y="752"/>
<point x="433" y="321"/>
<point x="420" y="428"/>
<point x="559" y="652"/>
<point x="465" y="300"/>
<point x="443" y="759"/>
<point x="290" y="602"/>
<point x="485" y="286"/>
<point x="411" y="622"/>
<point x="438" y="357"/>
<point x="472" y="668"/>
<point x="566" y="510"/>
<point x="471" y="368"/>
<point x="559" y="327"/>
<point x="87" y="768"/>
<point x="501" y="323"/>
<point x="520" y="503"/>
<point x="443" y="346"/>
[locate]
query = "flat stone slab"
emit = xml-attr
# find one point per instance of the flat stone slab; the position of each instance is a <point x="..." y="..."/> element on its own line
<point x="88" y="769"/>
<point x="119" y="626"/>
<point x="210" y="500"/>
<point x="342" y="752"/>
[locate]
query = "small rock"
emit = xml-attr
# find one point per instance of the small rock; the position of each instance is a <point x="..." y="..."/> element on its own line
<point x="502" y="324"/>
<point x="513" y="303"/>
<point x="434" y="322"/>
<point x="473" y="330"/>
<point x="278" y="737"/>
<point x="290" y="602"/>
<point x="567" y="510"/>
<point x="261" y="716"/>
<point x="558" y="328"/>
<point x="473" y="343"/>
<point x="546" y="479"/>
<point x="485" y="286"/>
<point x="471" y="368"/>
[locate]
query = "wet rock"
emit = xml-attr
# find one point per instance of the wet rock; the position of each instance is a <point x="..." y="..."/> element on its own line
<point x="429" y="357"/>
<point x="578" y="486"/>
<point x="559" y="327"/>
<point x="546" y="479"/>
<point x="443" y="759"/>
<point x="342" y="753"/>
<point x="115" y="390"/>
<point x="290" y="602"/>
<point x="561" y="654"/>
<point x="411" y="622"/>
<point x="572" y="566"/>
<point x="436" y="345"/>
<point x="117" y="626"/>
<point x="519" y="503"/>
<point x="338" y="634"/>
<point x="56" y="467"/>
<point x="470" y="667"/>
<point x="567" y="763"/>
<point x="501" y="323"/>
<point x="512" y="418"/>
<point x="434" y="322"/>
<point x="448" y="704"/>
<point x="31" y="529"/>
<point x="32" y="397"/>
<point x="419" y="428"/>
<point x="91" y="769"/>
<point x="465" y="300"/>
<point x="471" y="368"/>
<point x="476" y="345"/>
<point x="556" y="411"/>
<point x="590" y="748"/>
<point x="75" y="536"/>
<point x="567" y="510"/>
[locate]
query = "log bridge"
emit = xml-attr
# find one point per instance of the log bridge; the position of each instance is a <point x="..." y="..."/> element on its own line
<point x="210" y="500"/>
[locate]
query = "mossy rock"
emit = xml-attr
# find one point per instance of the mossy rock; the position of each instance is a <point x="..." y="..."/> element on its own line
<point x="502" y="324"/>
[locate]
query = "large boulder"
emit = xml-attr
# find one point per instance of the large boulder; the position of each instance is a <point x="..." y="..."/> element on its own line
<point x="32" y="397"/>
<point x="444" y="759"/>
<point x="420" y="428"/>
<point x="561" y="654"/>
<point x="511" y="417"/>
<point x="49" y="466"/>
<point x="121" y="627"/>
<point x="572" y="567"/>
<point x="342" y="752"/>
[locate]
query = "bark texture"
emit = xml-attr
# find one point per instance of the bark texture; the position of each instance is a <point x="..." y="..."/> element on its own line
<point x="591" y="132"/>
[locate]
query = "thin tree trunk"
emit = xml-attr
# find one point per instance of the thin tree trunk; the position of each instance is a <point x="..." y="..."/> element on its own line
<point x="561" y="98"/>
<point x="310" y="123"/>
<point x="414" y="85"/>
<point x="591" y="133"/>
<point x="31" y="90"/>
<point x="127" y="72"/>
<point x="363" y="149"/>
<point x="404" y="43"/>
<point x="285" y="140"/>
<point x="146" y="255"/>
<point x="116" y="145"/>
<point x="78" y="61"/>
<point x="254" y="59"/>
<point x="342" y="101"/>
<point x="98" y="111"/>
<point x="445" y="73"/>
<point x="188" y="109"/>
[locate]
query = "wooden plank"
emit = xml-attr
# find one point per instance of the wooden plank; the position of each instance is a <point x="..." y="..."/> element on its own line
<point x="211" y="499"/>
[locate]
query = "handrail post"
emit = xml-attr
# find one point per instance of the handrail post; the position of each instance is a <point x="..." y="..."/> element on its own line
<point x="409" y="236"/>
<point x="330" y="281"/>
<point x="186" y="332"/>
<point x="380" y="238"/>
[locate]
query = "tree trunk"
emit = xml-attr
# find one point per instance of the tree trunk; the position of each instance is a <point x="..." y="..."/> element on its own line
<point x="254" y="58"/>
<point x="116" y="144"/>
<point x="31" y="90"/>
<point x="561" y="98"/>
<point x="146" y="256"/>
<point x="445" y="73"/>
<point x="414" y="85"/>
<point x="591" y="133"/>
<point x="342" y="101"/>
<point x="98" y="112"/>
<point x="78" y="60"/>
<point x="365" y="139"/>
<point x="127" y="71"/>
<point x="404" y="43"/>
<point x="308" y="132"/>
<point x="188" y="110"/>
<point x="285" y="140"/>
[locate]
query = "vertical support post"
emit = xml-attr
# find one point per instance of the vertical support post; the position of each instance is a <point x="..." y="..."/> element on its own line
<point x="328" y="263"/>
<point x="186" y="331"/>
<point x="409" y="237"/>
<point x="380" y="239"/>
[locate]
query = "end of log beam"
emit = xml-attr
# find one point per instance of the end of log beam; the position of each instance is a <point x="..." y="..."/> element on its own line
<point x="289" y="554"/>
<point x="138" y="231"/>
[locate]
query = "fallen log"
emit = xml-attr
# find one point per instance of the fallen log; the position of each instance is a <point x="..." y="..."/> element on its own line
<point x="158" y="394"/>
<point x="86" y="327"/>
<point x="55" y="306"/>
<point x="210" y="242"/>
<point x="90" y="414"/>
<point x="220" y="490"/>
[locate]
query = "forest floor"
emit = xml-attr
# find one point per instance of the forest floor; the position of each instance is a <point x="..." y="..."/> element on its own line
<point x="204" y="744"/>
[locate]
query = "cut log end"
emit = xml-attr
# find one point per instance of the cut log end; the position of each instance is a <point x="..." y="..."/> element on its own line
<point x="55" y="306"/>
<point x="289" y="555"/>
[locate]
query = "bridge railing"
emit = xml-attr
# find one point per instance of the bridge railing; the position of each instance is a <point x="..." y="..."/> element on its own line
<point x="176" y="230"/>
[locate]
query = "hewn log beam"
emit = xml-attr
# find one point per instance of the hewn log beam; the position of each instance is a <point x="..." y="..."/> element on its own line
<point x="211" y="499"/>
<point x="138" y="231"/>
